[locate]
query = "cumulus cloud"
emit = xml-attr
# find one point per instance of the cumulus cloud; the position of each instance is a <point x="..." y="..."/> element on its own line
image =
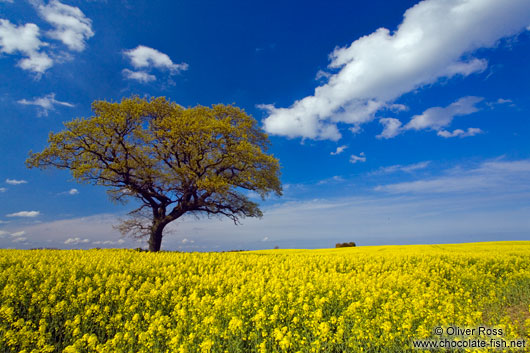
<point x="339" y="150"/>
<point x="187" y="241"/>
<point x="435" y="118"/>
<point x="360" y="158"/>
<point x="46" y="103"/>
<point x="73" y="192"/>
<point x="72" y="27"/>
<point x="15" y="182"/>
<point x="76" y="240"/>
<point x="24" y="39"/>
<point x="29" y="214"/>
<point x="391" y="128"/>
<point x="143" y="59"/>
<point x="435" y="40"/>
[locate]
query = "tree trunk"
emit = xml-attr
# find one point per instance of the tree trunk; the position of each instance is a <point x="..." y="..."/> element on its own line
<point x="155" y="239"/>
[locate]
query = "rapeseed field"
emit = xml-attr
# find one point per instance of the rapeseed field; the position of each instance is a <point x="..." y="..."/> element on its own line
<point x="364" y="299"/>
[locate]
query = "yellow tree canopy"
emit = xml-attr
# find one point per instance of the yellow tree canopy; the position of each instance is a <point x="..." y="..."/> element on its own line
<point x="174" y="160"/>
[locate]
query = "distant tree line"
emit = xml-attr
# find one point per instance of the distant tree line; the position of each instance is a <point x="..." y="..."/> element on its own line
<point x="345" y="245"/>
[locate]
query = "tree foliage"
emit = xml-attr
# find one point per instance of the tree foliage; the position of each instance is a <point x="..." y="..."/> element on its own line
<point x="173" y="160"/>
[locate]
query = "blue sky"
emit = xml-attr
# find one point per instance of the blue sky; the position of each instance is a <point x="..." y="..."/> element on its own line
<point x="397" y="122"/>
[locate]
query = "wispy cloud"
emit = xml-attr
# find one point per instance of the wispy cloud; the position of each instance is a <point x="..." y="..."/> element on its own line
<point x="46" y="103"/>
<point x="408" y="168"/>
<point x="460" y="133"/>
<point x="19" y="239"/>
<point x="333" y="179"/>
<point x="109" y="242"/>
<point x="497" y="175"/>
<point x="144" y="59"/>
<point x="139" y="76"/>
<point x="72" y="27"/>
<point x="435" y="40"/>
<point x="76" y="240"/>
<point x="18" y="234"/>
<point x="360" y="158"/>
<point x="3" y="189"/>
<point x="29" y="214"/>
<point x="15" y="182"/>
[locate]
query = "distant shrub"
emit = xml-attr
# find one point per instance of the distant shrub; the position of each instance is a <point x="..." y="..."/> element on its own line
<point x="345" y="245"/>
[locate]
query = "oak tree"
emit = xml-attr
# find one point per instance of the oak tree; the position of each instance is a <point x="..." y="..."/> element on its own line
<point x="174" y="161"/>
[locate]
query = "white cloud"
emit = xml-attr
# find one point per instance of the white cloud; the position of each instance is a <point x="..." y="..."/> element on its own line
<point x="437" y="118"/>
<point x="187" y="241"/>
<point x="460" y="133"/>
<point x="409" y="168"/>
<point x="3" y="232"/>
<point x="15" y="182"/>
<point x="143" y="57"/>
<point x="18" y="234"/>
<point x="19" y="239"/>
<point x="339" y="150"/>
<point x="493" y="175"/>
<point x="496" y="212"/>
<point x="333" y="179"/>
<point x="360" y="158"/>
<point x="73" y="192"/>
<point x="76" y="240"/>
<point x="265" y="239"/>
<point x="72" y="27"/>
<point x="46" y="103"/>
<point x="3" y="189"/>
<point x="139" y="76"/>
<point x="24" y="214"/>
<point x="391" y="128"/>
<point x="24" y="39"/>
<point x="435" y="40"/>
<point x="109" y="242"/>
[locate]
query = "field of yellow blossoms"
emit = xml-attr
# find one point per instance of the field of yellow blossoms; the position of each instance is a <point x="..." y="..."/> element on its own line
<point x="364" y="299"/>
